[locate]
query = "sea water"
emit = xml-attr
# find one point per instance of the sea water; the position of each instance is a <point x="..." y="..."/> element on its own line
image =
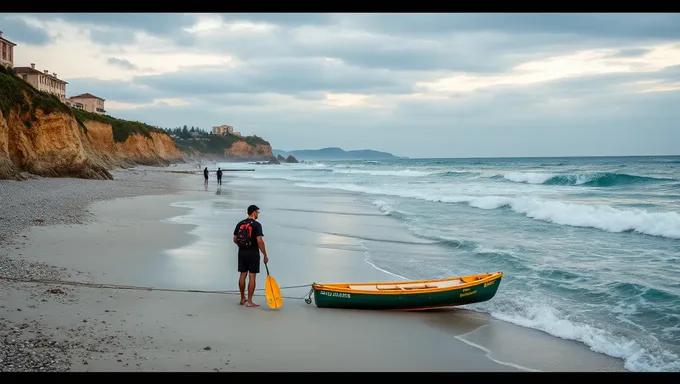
<point x="590" y="247"/>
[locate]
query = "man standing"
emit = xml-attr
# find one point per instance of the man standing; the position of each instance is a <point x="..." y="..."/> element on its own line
<point x="248" y="236"/>
<point x="205" y="176"/>
<point x="219" y="176"/>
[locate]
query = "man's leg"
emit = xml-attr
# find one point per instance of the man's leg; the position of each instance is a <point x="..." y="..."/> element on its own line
<point x="242" y="286"/>
<point x="243" y="269"/>
<point x="253" y="270"/>
<point x="251" y="288"/>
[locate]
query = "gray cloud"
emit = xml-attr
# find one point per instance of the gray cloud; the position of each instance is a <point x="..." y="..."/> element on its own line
<point x="633" y="52"/>
<point x="283" y="19"/>
<point x="123" y="63"/>
<point x="121" y="26"/>
<point x="288" y="76"/>
<point x="17" y="31"/>
<point x="620" y="25"/>
<point x="122" y="91"/>
<point x="112" y="36"/>
<point x="157" y="23"/>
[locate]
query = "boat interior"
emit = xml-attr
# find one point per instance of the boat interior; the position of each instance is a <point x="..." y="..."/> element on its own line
<point x="410" y="286"/>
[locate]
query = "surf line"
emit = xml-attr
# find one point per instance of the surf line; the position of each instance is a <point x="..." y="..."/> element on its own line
<point x="488" y="354"/>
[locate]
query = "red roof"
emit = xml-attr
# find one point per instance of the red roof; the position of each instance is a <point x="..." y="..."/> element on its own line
<point x="36" y="72"/>
<point x="86" y="96"/>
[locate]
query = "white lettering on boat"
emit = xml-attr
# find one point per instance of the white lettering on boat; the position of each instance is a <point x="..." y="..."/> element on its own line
<point x="335" y="294"/>
<point x="489" y="283"/>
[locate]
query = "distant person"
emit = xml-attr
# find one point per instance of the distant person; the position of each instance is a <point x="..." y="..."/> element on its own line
<point x="248" y="236"/>
<point x="205" y="176"/>
<point x="219" y="176"/>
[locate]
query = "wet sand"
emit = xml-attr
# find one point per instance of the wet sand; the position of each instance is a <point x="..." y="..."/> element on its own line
<point x="183" y="241"/>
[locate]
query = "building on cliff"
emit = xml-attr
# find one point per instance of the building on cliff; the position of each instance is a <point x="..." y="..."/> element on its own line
<point x="222" y="130"/>
<point x="43" y="81"/>
<point x="88" y="102"/>
<point x="7" y="47"/>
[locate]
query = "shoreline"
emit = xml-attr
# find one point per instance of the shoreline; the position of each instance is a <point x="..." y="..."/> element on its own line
<point x="99" y="325"/>
<point x="110" y="330"/>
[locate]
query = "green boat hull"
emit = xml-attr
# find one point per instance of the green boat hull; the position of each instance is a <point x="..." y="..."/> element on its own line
<point x="468" y="294"/>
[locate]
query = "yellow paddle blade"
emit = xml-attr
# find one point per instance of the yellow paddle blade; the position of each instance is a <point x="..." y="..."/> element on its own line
<point x="272" y="292"/>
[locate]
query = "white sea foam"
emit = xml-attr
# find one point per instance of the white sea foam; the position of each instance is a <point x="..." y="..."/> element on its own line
<point x="529" y="177"/>
<point x="531" y="314"/>
<point x="603" y="217"/>
<point x="398" y="173"/>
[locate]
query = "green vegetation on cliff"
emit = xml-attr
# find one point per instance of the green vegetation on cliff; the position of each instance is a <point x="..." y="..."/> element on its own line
<point x="16" y="94"/>
<point x="122" y="129"/>
<point x="196" y="139"/>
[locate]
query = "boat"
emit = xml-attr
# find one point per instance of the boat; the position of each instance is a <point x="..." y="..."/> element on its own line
<point x="408" y="295"/>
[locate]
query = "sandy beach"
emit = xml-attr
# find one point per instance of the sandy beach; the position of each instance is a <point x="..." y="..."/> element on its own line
<point x="168" y="231"/>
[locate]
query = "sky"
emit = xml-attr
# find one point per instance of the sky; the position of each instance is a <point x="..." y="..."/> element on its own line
<point x="416" y="85"/>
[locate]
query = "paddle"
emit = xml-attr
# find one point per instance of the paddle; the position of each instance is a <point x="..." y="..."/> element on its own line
<point x="272" y="292"/>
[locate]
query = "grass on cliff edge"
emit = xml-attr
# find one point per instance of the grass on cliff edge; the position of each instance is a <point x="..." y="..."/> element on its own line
<point x="216" y="144"/>
<point x="12" y="90"/>
<point x="122" y="129"/>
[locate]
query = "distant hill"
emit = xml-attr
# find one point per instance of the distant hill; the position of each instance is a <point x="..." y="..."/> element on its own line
<point x="335" y="153"/>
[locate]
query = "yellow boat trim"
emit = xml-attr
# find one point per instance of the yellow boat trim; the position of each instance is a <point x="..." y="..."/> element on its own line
<point x="411" y="287"/>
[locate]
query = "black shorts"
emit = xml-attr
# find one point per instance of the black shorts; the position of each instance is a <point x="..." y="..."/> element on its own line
<point x="249" y="261"/>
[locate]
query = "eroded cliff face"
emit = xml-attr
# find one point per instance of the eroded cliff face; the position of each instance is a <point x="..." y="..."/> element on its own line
<point x="55" y="145"/>
<point x="51" y="146"/>
<point x="243" y="150"/>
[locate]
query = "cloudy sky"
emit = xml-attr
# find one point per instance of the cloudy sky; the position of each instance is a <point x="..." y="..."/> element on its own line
<point x="420" y="85"/>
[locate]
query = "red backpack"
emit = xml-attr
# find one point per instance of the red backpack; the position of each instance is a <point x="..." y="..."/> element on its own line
<point x="244" y="234"/>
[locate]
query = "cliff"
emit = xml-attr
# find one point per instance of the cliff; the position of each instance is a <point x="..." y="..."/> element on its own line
<point x="228" y="147"/>
<point x="42" y="136"/>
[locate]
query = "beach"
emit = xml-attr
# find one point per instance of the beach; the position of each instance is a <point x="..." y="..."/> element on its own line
<point x="177" y="235"/>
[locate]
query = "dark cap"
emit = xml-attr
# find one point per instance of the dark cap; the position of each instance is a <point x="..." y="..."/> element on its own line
<point x="252" y="209"/>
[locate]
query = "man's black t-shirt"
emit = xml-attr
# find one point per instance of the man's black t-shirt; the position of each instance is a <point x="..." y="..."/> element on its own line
<point x="257" y="231"/>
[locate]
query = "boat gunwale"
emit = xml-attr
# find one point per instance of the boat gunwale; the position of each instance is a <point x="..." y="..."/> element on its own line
<point x="336" y="288"/>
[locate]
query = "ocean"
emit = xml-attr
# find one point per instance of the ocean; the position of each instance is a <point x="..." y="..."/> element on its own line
<point x="590" y="247"/>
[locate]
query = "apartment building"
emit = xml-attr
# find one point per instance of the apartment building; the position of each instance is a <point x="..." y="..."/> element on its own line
<point x="6" y="52"/>
<point x="88" y="102"/>
<point x="43" y="81"/>
<point x="222" y="130"/>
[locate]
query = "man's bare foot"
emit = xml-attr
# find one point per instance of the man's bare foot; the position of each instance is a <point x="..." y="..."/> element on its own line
<point x="251" y="304"/>
<point x="243" y="301"/>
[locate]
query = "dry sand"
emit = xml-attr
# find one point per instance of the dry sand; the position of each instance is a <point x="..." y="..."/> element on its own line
<point x="129" y="242"/>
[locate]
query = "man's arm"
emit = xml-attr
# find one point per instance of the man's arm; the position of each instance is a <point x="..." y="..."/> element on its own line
<point x="260" y="245"/>
<point x="260" y="242"/>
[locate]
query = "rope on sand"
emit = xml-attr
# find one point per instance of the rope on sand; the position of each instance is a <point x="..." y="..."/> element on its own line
<point x="307" y="297"/>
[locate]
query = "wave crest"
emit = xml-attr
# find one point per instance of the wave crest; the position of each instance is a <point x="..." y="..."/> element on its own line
<point x="595" y="179"/>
